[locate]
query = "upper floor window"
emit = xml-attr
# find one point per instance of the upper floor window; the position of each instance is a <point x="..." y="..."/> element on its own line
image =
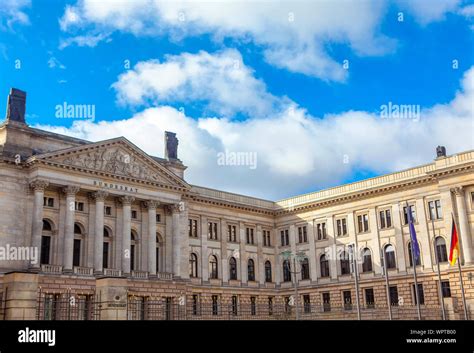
<point x="324" y="265"/>
<point x="251" y="270"/>
<point x="286" y="271"/>
<point x="417" y="259"/>
<point x="134" y="214"/>
<point x="108" y="210"/>
<point x="249" y="234"/>
<point x="302" y="235"/>
<point x="233" y="268"/>
<point x="405" y="214"/>
<point x="268" y="271"/>
<point x="48" y="201"/>
<point x="79" y="206"/>
<point x="389" y="252"/>
<point x="366" y="260"/>
<point x="321" y="230"/>
<point x="232" y="233"/>
<point x="213" y="272"/>
<point x="285" y="238"/>
<point x="212" y="230"/>
<point x="305" y="269"/>
<point x="193" y="228"/>
<point x="345" y="263"/>
<point x="266" y="238"/>
<point x="435" y="209"/>
<point x="441" y="254"/>
<point x="385" y="217"/>
<point x="363" y="223"/>
<point x="158" y="218"/>
<point x="193" y="265"/>
<point x="341" y="227"/>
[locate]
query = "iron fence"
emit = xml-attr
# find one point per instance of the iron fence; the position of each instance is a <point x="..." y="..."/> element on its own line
<point x="68" y="306"/>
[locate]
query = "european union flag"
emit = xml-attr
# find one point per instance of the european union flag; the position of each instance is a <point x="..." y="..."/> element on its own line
<point x="414" y="242"/>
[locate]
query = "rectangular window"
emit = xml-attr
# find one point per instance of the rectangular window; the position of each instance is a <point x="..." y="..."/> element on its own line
<point x="253" y="306"/>
<point x="385" y="219"/>
<point x="307" y="303"/>
<point x="369" y="298"/>
<point x="250" y="238"/>
<point x="193" y="228"/>
<point x="158" y="218"/>
<point x="195" y="308"/>
<point x="108" y="210"/>
<point x="341" y="225"/>
<point x="393" y="290"/>
<point x="134" y="214"/>
<point x="215" y="305"/>
<point x="212" y="230"/>
<point x="232" y="233"/>
<point x="363" y="223"/>
<point x="326" y="302"/>
<point x="235" y="304"/>
<point x="266" y="238"/>
<point x="270" y="306"/>
<point x="446" y="289"/>
<point x="48" y="201"/>
<point x="302" y="234"/>
<point x="405" y="214"/>
<point x="321" y="230"/>
<point x="79" y="206"/>
<point x="285" y="238"/>
<point x="435" y="209"/>
<point x="347" y="300"/>
<point x="421" y="294"/>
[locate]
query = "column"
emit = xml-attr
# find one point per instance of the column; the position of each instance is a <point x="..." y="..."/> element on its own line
<point x="374" y="243"/>
<point x="184" y="239"/>
<point x="312" y="251"/>
<point x="242" y="253"/>
<point x="70" y="192"/>
<point x="260" y="269"/>
<point x="204" y="258"/>
<point x="151" y="205"/>
<point x="37" y="224"/>
<point x="99" y="198"/>
<point x="126" y="232"/>
<point x="334" y="258"/>
<point x="463" y="224"/>
<point x="175" y="209"/>
<point x="224" y="261"/>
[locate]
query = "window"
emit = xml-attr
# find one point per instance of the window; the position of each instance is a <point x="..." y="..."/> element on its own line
<point x="363" y="223"/>
<point x="235" y="303"/>
<point x="48" y="201"/>
<point x="253" y="306"/>
<point x="268" y="271"/>
<point x="405" y="214"/>
<point x="302" y="235"/>
<point x="286" y="271"/>
<point x="345" y="263"/>
<point x="287" y="305"/>
<point x="421" y="294"/>
<point x="346" y="295"/>
<point x="196" y="304"/>
<point x="326" y="302"/>
<point x="324" y="266"/>
<point x="232" y="233"/>
<point x="106" y="249"/>
<point x="46" y="242"/>
<point x="270" y="306"/>
<point x="366" y="260"/>
<point x="393" y="291"/>
<point x="369" y="298"/>
<point x="435" y="209"/>
<point x="79" y="206"/>
<point x="266" y="238"/>
<point x="47" y="226"/>
<point x="385" y="219"/>
<point x="249" y="234"/>
<point x="307" y="303"/>
<point x="158" y="218"/>
<point x="215" y="305"/>
<point x="446" y="289"/>
<point x="305" y="269"/>
<point x="341" y="226"/>
<point x="321" y="230"/>
<point x="193" y="228"/>
<point x="133" y="247"/>
<point x="251" y="270"/>
<point x="157" y="253"/>
<point x="134" y="214"/>
<point x="232" y="269"/>
<point x="417" y="260"/>
<point x="441" y="253"/>
<point x="108" y="210"/>
<point x="193" y="265"/>
<point x="76" y="254"/>
<point x="285" y="237"/>
<point x="213" y="273"/>
<point x="390" y="256"/>
<point x="212" y="230"/>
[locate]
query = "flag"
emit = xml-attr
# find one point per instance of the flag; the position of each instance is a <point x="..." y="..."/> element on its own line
<point x="415" y="248"/>
<point x="454" y="248"/>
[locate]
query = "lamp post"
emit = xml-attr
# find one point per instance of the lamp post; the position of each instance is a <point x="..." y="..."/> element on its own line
<point x="300" y="257"/>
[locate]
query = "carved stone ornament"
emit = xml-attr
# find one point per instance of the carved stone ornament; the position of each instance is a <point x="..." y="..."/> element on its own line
<point x="39" y="185"/>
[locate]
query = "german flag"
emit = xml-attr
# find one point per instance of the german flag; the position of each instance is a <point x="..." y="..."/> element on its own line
<point x="454" y="250"/>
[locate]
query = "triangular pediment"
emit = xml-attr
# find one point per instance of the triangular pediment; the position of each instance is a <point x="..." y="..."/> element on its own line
<point x="117" y="157"/>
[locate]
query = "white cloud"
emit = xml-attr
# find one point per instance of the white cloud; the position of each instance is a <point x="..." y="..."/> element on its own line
<point x="221" y="80"/>
<point x="293" y="35"/>
<point x="426" y="12"/>
<point x="88" y="40"/>
<point x="53" y="62"/>
<point x="296" y="151"/>
<point x="12" y="12"/>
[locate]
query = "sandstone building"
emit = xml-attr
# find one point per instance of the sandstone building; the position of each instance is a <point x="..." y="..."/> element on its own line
<point x="115" y="225"/>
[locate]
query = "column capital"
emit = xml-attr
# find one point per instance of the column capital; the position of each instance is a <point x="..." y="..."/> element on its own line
<point x="39" y="185"/>
<point x="458" y="191"/>
<point x="71" y="190"/>
<point x="175" y="208"/>
<point x="126" y="200"/>
<point x="151" y="204"/>
<point x="100" y="195"/>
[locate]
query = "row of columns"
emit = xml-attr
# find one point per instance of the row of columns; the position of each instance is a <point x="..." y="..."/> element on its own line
<point x="99" y="198"/>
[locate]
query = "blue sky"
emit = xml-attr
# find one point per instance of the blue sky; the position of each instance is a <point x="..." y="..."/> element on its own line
<point x="312" y="122"/>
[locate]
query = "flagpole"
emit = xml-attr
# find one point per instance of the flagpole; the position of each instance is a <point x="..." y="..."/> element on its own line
<point x="384" y="267"/>
<point x="413" y="262"/>
<point x="460" y="275"/>
<point x="443" y="310"/>
<point x="354" y="264"/>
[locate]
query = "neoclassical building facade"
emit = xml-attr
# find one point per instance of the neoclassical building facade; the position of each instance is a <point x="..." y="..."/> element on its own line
<point x="107" y="218"/>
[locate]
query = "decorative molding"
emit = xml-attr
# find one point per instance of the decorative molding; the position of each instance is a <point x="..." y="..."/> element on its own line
<point x="100" y="195"/>
<point x="71" y="190"/>
<point x="126" y="200"/>
<point x="39" y="185"/>
<point x="458" y="191"/>
<point x="151" y="204"/>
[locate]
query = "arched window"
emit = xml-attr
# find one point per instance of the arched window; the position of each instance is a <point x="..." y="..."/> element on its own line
<point x="390" y="256"/>
<point x="366" y="260"/>
<point x="345" y="263"/>
<point x="286" y="271"/>
<point x="193" y="265"/>
<point x="418" y="260"/>
<point x="213" y="273"/>
<point x="232" y="269"/>
<point x="250" y="270"/>
<point x="46" y="242"/>
<point x="324" y="263"/>
<point x="305" y="269"/>
<point x="133" y="251"/>
<point x="268" y="271"/>
<point x="106" y="248"/>
<point x="76" y="255"/>
<point x="159" y="247"/>
<point x="441" y="252"/>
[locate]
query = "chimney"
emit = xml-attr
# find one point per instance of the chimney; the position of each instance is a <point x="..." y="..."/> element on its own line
<point x="440" y="151"/>
<point x="16" y="106"/>
<point x="171" y="146"/>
